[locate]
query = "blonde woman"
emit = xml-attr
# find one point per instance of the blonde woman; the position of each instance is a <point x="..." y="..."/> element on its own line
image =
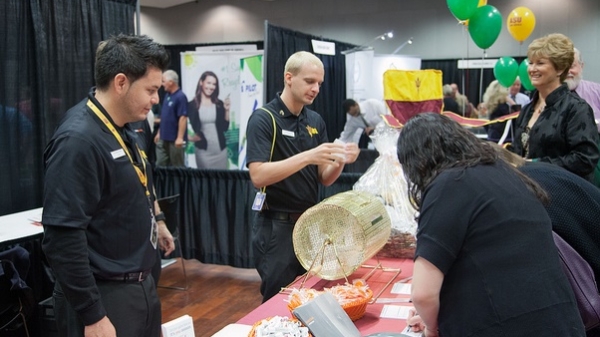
<point x="558" y="126"/>
<point x="495" y="101"/>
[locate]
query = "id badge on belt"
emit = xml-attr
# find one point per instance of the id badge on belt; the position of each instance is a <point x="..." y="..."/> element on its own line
<point x="153" y="230"/>
<point x="259" y="201"/>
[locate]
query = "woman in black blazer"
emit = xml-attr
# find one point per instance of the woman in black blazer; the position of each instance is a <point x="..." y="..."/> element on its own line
<point x="209" y="117"/>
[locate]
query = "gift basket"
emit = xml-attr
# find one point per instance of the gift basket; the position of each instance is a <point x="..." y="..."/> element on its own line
<point x="385" y="179"/>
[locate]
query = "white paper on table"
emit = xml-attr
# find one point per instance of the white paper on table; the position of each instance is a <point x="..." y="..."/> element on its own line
<point x="401" y="288"/>
<point x="395" y="311"/>
<point x="234" y="330"/>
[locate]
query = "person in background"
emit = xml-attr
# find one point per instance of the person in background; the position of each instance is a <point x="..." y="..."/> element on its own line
<point x="287" y="167"/>
<point x="485" y="263"/>
<point x="450" y="103"/>
<point x="172" y="135"/>
<point x="588" y="90"/>
<point x="516" y="97"/>
<point x="574" y="206"/>
<point x="209" y="117"/>
<point x="495" y="98"/>
<point x="101" y="231"/>
<point x="363" y="116"/>
<point x="465" y="107"/>
<point x="557" y="126"/>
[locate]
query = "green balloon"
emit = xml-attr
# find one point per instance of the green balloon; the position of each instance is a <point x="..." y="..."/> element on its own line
<point x="506" y="70"/>
<point x="524" y="75"/>
<point x="485" y="26"/>
<point x="462" y="9"/>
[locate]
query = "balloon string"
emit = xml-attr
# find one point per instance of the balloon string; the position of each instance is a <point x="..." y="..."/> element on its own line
<point x="464" y="83"/>
<point x="481" y="76"/>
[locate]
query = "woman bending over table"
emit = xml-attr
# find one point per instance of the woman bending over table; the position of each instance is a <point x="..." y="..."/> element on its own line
<point x="485" y="263"/>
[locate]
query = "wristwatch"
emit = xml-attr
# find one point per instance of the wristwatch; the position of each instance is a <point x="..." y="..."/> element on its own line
<point x="159" y="217"/>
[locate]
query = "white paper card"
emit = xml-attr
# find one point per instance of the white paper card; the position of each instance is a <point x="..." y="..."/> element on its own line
<point x="395" y="311"/>
<point x="401" y="288"/>
<point x="179" y="327"/>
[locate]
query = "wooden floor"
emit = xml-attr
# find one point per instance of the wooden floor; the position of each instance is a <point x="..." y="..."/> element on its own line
<point x="216" y="295"/>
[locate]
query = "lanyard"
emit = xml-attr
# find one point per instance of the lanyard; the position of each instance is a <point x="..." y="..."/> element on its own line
<point x="141" y="175"/>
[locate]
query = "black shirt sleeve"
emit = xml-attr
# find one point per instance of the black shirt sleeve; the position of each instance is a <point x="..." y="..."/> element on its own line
<point x="66" y="250"/>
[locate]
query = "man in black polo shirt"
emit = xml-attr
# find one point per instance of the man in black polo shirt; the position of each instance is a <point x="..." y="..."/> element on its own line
<point x="100" y="234"/>
<point x="287" y="167"/>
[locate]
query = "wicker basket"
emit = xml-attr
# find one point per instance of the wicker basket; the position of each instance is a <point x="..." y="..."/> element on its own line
<point x="355" y="309"/>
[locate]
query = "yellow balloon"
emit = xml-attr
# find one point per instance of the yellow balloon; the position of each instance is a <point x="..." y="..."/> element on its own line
<point x="520" y="23"/>
<point x="466" y="22"/>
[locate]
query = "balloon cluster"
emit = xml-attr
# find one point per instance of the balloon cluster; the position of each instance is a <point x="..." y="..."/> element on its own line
<point x="485" y="21"/>
<point x="507" y="69"/>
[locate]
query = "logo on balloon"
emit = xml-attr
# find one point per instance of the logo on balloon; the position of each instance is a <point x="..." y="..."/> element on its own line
<point x="520" y="23"/>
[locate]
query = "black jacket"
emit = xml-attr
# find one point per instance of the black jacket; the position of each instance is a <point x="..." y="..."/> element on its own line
<point x="565" y="134"/>
<point x="222" y="125"/>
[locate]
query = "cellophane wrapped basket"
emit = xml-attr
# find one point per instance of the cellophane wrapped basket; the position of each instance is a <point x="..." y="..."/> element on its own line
<point x="385" y="179"/>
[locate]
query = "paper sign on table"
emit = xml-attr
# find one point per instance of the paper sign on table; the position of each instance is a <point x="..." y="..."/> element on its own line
<point x="401" y="288"/>
<point x="395" y="311"/>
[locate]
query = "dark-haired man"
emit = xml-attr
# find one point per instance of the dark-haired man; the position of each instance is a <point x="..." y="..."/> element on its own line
<point x="363" y="116"/>
<point x="100" y="229"/>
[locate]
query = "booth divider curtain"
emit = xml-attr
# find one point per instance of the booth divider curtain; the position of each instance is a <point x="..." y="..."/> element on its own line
<point x="280" y="44"/>
<point x="215" y="212"/>
<point x="47" y="50"/>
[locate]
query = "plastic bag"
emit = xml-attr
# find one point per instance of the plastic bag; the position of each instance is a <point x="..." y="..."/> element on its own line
<point x="385" y="179"/>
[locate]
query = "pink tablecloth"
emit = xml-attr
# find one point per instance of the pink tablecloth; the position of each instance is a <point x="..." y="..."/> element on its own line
<point x="371" y="322"/>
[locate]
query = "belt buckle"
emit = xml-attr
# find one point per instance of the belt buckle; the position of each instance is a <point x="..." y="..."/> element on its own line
<point x="141" y="276"/>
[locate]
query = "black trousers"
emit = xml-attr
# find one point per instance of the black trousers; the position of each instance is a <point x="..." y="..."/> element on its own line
<point x="274" y="255"/>
<point x="133" y="308"/>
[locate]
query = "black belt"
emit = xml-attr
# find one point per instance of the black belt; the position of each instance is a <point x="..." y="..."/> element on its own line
<point x="281" y="215"/>
<point x="127" y="277"/>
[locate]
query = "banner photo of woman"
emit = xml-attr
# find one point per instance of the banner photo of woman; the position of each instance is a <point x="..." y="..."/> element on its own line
<point x="211" y="82"/>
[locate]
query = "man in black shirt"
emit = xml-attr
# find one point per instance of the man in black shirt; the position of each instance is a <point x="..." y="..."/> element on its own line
<point x="100" y="232"/>
<point x="287" y="166"/>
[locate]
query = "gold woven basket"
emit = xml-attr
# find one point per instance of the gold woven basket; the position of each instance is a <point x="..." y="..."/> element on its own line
<point x="333" y="238"/>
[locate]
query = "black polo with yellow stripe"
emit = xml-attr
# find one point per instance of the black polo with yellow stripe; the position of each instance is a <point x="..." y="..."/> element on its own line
<point x="293" y="135"/>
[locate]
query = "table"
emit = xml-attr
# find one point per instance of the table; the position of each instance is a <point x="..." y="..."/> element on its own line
<point x="19" y="227"/>
<point x="371" y="322"/>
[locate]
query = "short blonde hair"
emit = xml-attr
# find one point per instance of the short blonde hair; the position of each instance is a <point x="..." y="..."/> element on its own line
<point x="557" y="48"/>
<point x="295" y="62"/>
<point x="494" y="95"/>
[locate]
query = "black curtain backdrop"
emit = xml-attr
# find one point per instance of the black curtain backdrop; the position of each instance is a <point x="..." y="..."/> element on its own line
<point x="47" y="52"/>
<point x="281" y="44"/>
<point x="469" y="79"/>
<point x="215" y="211"/>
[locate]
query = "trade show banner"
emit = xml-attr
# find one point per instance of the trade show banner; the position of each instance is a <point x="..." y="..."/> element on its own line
<point x="251" y="97"/>
<point x="359" y="70"/>
<point x="365" y="69"/>
<point x="211" y="82"/>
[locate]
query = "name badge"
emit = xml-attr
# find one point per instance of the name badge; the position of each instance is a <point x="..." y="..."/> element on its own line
<point x="259" y="201"/>
<point x="288" y="133"/>
<point x="117" y="153"/>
